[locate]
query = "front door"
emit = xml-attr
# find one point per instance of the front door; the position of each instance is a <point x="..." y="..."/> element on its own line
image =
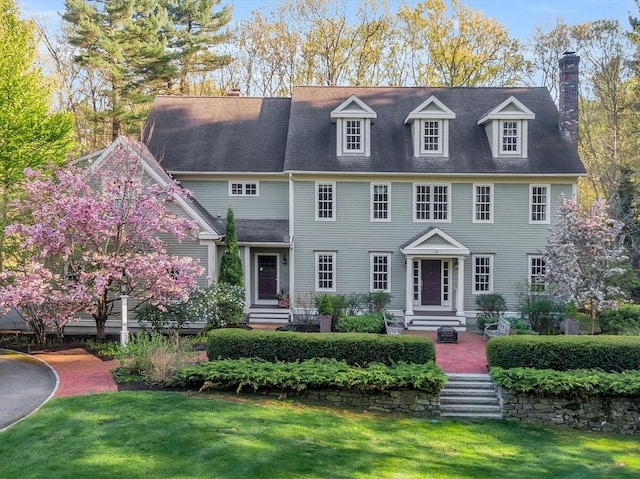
<point x="431" y="282"/>
<point x="267" y="276"/>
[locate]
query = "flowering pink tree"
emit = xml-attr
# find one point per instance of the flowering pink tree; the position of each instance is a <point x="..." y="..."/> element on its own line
<point x="583" y="256"/>
<point x="90" y="229"/>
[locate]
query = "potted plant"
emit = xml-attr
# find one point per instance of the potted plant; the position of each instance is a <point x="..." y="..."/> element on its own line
<point x="283" y="299"/>
<point x="325" y="311"/>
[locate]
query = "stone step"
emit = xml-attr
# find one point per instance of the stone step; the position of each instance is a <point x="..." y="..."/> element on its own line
<point x="469" y="400"/>
<point x="468" y="385"/>
<point x="473" y="415"/>
<point x="470" y="396"/>
<point x="470" y="408"/>
<point x="468" y="392"/>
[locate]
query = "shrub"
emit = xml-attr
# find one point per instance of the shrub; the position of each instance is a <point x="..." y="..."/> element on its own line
<point x="324" y="306"/>
<point x="364" y="323"/>
<point x="229" y="301"/>
<point x="154" y="357"/>
<point x="354" y="348"/>
<point x="314" y="373"/>
<point x="377" y="301"/>
<point x="543" y="313"/>
<point x="354" y="303"/>
<point x="562" y="353"/>
<point x="491" y="306"/>
<point x="519" y="325"/>
<point x="579" y="382"/>
<point x="621" y="320"/>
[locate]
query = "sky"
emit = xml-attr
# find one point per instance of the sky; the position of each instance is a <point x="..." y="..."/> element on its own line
<point x="518" y="16"/>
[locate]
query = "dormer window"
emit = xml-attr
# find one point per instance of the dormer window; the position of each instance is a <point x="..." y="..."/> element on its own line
<point x="430" y="128"/>
<point x="353" y="120"/>
<point x="506" y="127"/>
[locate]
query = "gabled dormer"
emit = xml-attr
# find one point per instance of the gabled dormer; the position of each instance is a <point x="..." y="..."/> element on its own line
<point x="430" y="128"/>
<point x="353" y="120"/>
<point x="507" y="129"/>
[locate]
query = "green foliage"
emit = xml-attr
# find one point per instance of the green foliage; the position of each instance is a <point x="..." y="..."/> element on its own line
<point x="543" y="313"/>
<point x="377" y="301"/>
<point x="579" y="382"/>
<point x="288" y="346"/>
<point x="619" y="321"/>
<point x="354" y="303"/>
<point x="363" y="323"/>
<point x="318" y="373"/>
<point x="323" y="303"/>
<point x="519" y="325"/>
<point x="562" y="353"/>
<point x="153" y="357"/>
<point x="229" y="304"/>
<point x="491" y="306"/>
<point x="231" y="271"/>
<point x="175" y="316"/>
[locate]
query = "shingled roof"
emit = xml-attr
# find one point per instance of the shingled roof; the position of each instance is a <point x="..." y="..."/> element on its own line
<point x="271" y="135"/>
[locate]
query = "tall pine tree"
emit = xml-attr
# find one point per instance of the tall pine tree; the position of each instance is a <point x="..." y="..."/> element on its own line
<point x="230" y="264"/>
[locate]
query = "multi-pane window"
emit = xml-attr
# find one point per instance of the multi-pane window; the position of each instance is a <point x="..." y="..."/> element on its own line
<point x="537" y="269"/>
<point x="482" y="274"/>
<point x="539" y="204"/>
<point x="431" y="202"/>
<point x="380" y="202"/>
<point x="380" y="264"/>
<point x="431" y="136"/>
<point x="353" y="141"/>
<point x="243" y="189"/>
<point x="325" y="271"/>
<point x="325" y="200"/>
<point x="482" y="204"/>
<point x="510" y="138"/>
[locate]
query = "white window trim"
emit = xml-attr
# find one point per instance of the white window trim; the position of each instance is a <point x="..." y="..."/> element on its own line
<point x="522" y="143"/>
<point x="415" y="203"/>
<point x="547" y="219"/>
<point x="244" y="188"/>
<point x="388" y="256"/>
<point x="443" y="135"/>
<point x="475" y="204"/>
<point x="333" y="202"/>
<point x="473" y="273"/>
<point x="518" y="137"/>
<point x="341" y="137"/>
<point x="371" y="196"/>
<point x="333" y="272"/>
<point x="530" y="259"/>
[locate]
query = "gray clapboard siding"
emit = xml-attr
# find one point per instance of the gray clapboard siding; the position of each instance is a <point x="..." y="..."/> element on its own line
<point x="272" y="202"/>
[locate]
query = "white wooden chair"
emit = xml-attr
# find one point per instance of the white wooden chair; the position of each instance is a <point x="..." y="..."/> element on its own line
<point x="393" y="326"/>
<point x="500" y="328"/>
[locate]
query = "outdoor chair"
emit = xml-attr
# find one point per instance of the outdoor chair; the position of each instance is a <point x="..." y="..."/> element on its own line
<point x="393" y="326"/>
<point x="500" y="328"/>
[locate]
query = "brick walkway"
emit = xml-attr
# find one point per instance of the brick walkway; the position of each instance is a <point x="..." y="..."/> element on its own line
<point x="80" y="372"/>
<point x="468" y="355"/>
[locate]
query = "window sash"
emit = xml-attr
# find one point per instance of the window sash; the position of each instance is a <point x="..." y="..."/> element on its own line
<point x="510" y="137"/>
<point x="431" y="202"/>
<point x="537" y="270"/>
<point x="353" y="136"/>
<point x="325" y="200"/>
<point x="482" y="274"/>
<point x="539" y="197"/>
<point x="325" y="271"/>
<point x="431" y="140"/>
<point x="237" y="188"/>
<point x="483" y="203"/>
<point x="380" y="269"/>
<point x="380" y="201"/>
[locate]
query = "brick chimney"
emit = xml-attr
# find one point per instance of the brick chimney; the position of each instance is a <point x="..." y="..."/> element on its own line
<point x="568" y="104"/>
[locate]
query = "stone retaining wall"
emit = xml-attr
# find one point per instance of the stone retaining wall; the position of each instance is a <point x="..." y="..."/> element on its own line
<point x="408" y="402"/>
<point x="618" y="414"/>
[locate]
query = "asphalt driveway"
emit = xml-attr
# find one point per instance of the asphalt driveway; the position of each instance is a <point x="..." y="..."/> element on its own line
<point x="25" y="384"/>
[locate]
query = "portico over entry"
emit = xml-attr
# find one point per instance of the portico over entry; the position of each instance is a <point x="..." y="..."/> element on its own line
<point x="434" y="261"/>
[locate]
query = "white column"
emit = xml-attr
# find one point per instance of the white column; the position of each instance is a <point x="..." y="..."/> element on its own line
<point x="408" y="310"/>
<point x="124" y="333"/>
<point x="460" y="294"/>
<point x="211" y="260"/>
<point x="247" y="278"/>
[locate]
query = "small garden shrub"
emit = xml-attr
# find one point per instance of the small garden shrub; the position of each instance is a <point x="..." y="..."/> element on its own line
<point x="258" y="374"/>
<point x="562" y="353"/>
<point x="491" y="306"/>
<point x="354" y="348"/>
<point x="377" y="301"/>
<point x="543" y="313"/>
<point x="364" y="323"/>
<point x="578" y="382"/>
<point x="621" y="320"/>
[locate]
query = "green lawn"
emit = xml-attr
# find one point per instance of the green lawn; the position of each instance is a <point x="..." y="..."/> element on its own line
<point x="158" y="435"/>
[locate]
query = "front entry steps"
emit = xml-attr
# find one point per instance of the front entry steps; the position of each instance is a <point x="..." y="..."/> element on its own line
<point x="433" y="321"/>
<point x="268" y="314"/>
<point x="469" y="396"/>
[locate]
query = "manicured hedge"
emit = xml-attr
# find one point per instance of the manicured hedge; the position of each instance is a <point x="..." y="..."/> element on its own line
<point x="258" y="374"/>
<point x="580" y="382"/>
<point x="354" y="348"/>
<point x="562" y="353"/>
<point x="616" y="321"/>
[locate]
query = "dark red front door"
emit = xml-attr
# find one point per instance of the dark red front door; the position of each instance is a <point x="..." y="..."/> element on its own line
<point x="431" y="282"/>
<point x="267" y="277"/>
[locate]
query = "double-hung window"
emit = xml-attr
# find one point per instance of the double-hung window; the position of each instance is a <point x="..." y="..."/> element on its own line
<point x="243" y="189"/>
<point x="380" y="201"/>
<point x="482" y="274"/>
<point x="380" y="271"/>
<point x="537" y="269"/>
<point x="539" y="203"/>
<point x="510" y="137"/>
<point x="325" y="201"/>
<point x="431" y="137"/>
<point x="353" y="135"/>
<point x="325" y="271"/>
<point x="431" y="202"/>
<point x="482" y="203"/>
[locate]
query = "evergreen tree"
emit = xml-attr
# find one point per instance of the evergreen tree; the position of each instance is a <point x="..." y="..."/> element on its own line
<point x="230" y="264"/>
<point x="30" y="135"/>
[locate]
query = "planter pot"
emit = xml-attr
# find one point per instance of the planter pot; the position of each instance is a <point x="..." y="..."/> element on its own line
<point x="325" y="323"/>
<point x="283" y="303"/>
